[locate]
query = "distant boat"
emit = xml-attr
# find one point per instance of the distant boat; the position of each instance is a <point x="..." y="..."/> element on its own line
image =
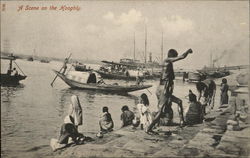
<point x="44" y="61"/>
<point x="81" y="82"/>
<point x="214" y="73"/>
<point x="195" y="77"/>
<point x="8" y="79"/>
<point x="243" y="79"/>
<point x="30" y="59"/>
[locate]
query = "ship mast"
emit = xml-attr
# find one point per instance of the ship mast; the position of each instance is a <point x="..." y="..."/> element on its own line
<point x="145" y="53"/>
<point x="161" y="47"/>
<point x="134" y="46"/>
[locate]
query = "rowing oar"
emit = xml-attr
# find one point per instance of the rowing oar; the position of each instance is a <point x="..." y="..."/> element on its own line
<point x="149" y="91"/>
<point x="59" y="71"/>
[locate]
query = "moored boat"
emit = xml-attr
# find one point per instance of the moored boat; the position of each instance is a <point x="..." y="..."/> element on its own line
<point x="86" y="81"/>
<point x="81" y="67"/>
<point x="44" y="61"/>
<point x="123" y="71"/>
<point x="121" y="76"/>
<point x="195" y="77"/>
<point x="8" y="79"/>
<point x="30" y="59"/>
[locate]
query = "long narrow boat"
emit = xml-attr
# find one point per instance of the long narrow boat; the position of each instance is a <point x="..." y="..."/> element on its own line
<point x="79" y="83"/>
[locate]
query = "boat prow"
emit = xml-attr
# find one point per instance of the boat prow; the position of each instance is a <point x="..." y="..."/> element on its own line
<point x="77" y="82"/>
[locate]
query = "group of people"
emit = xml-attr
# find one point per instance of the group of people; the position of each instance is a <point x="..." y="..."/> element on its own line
<point x="146" y="119"/>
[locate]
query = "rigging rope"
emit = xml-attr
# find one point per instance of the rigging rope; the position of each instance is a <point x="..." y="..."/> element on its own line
<point x="19" y="68"/>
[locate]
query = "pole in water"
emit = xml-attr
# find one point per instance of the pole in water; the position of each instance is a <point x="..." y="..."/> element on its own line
<point x="19" y="68"/>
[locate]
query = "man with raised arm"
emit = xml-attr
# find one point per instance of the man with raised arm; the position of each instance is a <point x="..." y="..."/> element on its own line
<point x="165" y="89"/>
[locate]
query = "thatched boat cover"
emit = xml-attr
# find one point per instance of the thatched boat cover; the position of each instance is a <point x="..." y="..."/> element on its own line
<point x="81" y="77"/>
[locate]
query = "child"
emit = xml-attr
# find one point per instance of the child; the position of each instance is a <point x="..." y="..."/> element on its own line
<point x="106" y="122"/>
<point x="145" y="114"/>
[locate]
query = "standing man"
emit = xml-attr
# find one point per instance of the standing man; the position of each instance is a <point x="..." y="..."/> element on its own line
<point x="165" y="89"/>
<point x="65" y="65"/>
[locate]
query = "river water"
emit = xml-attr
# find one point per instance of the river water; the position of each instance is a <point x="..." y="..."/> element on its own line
<point x="32" y="113"/>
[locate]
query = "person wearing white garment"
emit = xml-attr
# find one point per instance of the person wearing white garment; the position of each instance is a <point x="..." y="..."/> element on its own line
<point x="145" y="114"/>
<point x="68" y="130"/>
<point x="75" y="110"/>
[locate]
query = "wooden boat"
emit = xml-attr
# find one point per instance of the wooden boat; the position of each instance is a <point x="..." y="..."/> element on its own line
<point x="44" y="61"/>
<point x="121" y="76"/>
<point x="195" y="77"/>
<point x="81" y="67"/>
<point x="215" y="73"/>
<point x="8" y="79"/>
<point x="123" y="71"/>
<point x="243" y="79"/>
<point x="30" y="59"/>
<point x="77" y="82"/>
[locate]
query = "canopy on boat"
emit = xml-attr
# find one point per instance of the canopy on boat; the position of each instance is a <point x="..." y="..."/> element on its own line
<point x="8" y="57"/>
<point x="115" y="63"/>
<point x="83" y="77"/>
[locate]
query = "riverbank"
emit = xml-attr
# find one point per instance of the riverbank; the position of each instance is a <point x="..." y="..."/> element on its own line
<point x="210" y="139"/>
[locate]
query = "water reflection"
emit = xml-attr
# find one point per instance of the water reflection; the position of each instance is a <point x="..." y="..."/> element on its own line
<point x="8" y="93"/>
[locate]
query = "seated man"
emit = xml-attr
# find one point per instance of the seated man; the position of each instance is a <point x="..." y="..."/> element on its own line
<point x="127" y="116"/>
<point x="194" y="114"/>
<point x="14" y="72"/>
<point x="9" y="72"/>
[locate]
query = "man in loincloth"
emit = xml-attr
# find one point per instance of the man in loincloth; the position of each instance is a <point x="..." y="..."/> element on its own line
<point x="165" y="89"/>
<point x="65" y="65"/>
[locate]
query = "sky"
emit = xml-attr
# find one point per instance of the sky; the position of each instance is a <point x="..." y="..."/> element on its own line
<point x="105" y="30"/>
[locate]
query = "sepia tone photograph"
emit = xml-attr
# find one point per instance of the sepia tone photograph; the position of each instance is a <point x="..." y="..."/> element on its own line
<point x="126" y="78"/>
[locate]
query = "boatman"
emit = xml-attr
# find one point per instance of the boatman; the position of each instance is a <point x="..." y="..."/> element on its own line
<point x="65" y="65"/>
<point x="14" y="72"/>
<point x="165" y="89"/>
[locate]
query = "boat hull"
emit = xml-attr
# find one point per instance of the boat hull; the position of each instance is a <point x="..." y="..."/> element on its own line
<point x="195" y="77"/>
<point x="11" y="80"/>
<point x="101" y="87"/>
<point x="107" y="75"/>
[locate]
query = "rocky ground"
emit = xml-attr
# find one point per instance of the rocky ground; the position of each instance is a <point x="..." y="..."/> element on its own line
<point x="210" y="139"/>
